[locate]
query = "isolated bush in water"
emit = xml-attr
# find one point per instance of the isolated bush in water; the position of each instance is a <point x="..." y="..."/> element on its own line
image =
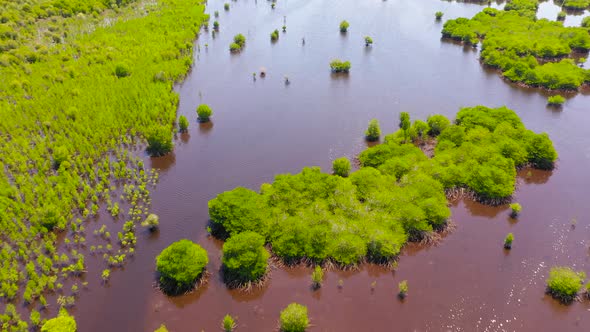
<point x="159" y="142"/>
<point x="151" y="222"/>
<point x="344" y="26"/>
<point x="240" y="40"/>
<point x="228" y="323"/>
<point x="64" y="322"/>
<point x="341" y="167"/>
<point x="183" y="124"/>
<point x="274" y="36"/>
<point x="244" y="258"/>
<point x="180" y="266"/>
<point x="162" y="328"/>
<point x="556" y="100"/>
<point x="339" y="66"/>
<point x="515" y="209"/>
<point x="564" y="283"/>
<point x="508" y="241"/>
<point x="402" y="289"/>
<point x="373" y="131"/>
<point x="204" y="112"/>
<point x="233" y="47"/>
<point x="317" y="277"/>
<point x="294" y="318"/>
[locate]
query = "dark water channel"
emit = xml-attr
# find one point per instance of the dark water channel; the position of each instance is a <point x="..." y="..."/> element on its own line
<point x="264" y="127"/>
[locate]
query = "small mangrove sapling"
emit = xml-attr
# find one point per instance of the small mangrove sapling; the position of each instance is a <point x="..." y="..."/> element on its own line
<point x="508" y="241"/>
<point x="373" y="131"/>
<point x="403" y="289"/>
<point x="317" y="277"/>
<point x="515" y="209"/>
<point x="228" y="324"/>
<point x="344" y="26"/>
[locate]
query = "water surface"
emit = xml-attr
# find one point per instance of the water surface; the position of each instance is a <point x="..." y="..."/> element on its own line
<point x="263" y="127"/>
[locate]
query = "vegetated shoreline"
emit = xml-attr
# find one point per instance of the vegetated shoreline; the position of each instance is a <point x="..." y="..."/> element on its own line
<point x="522" y="84"/>
<point x="530" y="52"/>
<point x="82" y="161"/>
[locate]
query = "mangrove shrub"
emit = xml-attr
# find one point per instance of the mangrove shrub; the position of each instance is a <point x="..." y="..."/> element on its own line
<point x="228" y="324"/>
<point x="564" y="283"/>
<point x="64" y="322"/>
<point x="183" y="124"/>
<point x="294" y="318"/>
<point x="338" y="66"/>
<point x="508" y="241"/>
<point x="341" y="166"/>
<point x="244" y="258"/>
<point x="180" y="266"/>
<point x="204" y="112"/>
<point x="344" y="26"/>
<point x="159" y="142"/>
<point x="373" y="131"/>
<point x="556" y="100"/>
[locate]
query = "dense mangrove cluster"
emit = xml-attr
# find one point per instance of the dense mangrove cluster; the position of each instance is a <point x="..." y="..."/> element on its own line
<point x="397" y="195"/>
<point x="82" y="83"/>
<point x="531" y="51"/>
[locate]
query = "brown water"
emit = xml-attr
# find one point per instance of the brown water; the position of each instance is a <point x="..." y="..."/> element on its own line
<point x="262" y="128"/>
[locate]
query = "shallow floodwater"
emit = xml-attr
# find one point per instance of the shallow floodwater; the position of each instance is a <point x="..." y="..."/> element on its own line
<point x="263" y="127"/>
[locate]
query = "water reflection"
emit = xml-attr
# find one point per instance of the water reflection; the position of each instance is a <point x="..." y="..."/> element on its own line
<point x="205" y="128"/>
<point x="184" y="137"/>
<point x="163" y="163"/>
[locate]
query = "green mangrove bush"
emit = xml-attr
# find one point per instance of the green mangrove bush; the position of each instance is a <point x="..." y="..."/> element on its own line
<point x="64" y="322"/>
<point x="204" y="112"/>
<point x="402" y="289"/>
<point x="228" y="324"/>
<point x="245" y="259"/>
<point x="338" y="66"/>
<point x="564" y="283"/>
<point x="515" y="209"/>
<point x="344" y="26"/>
<point x="341" y="167"/>
<point x="274" y="36"/>
<point x="373" y="132"/>
<point x="183" y="124"/>
<point x="508" y="241"/>
<point x="294" y="318"/>
<point x="180" y="266"/>
<point x="556" y="100"/>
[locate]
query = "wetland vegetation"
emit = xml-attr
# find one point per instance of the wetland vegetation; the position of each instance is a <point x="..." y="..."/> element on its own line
<point x="87" y="87"/>
<point x="399" y="194"/>
<point x="530" y="51"/>
<point x="65" y="145"/>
